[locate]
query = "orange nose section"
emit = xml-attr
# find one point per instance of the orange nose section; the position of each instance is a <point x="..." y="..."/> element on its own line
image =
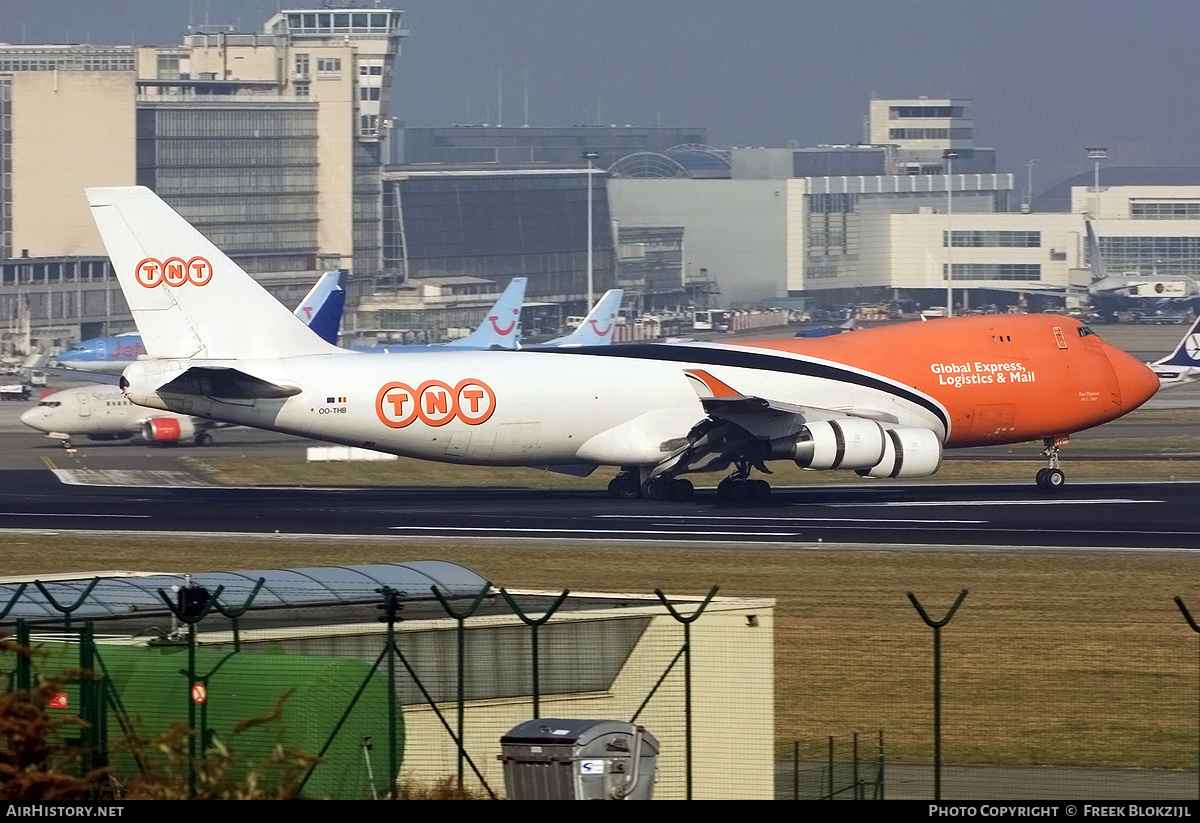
<point x="1135" y="380"/>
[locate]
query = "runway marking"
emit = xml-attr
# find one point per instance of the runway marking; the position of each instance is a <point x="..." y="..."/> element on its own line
<point x="572" y="530"/>
<point x="787" y="519"/>
<point x="128" y="477"/>
<point x="1060" y="502"/>
<point x="49" y="463"/>
<point x="70" y="514"/>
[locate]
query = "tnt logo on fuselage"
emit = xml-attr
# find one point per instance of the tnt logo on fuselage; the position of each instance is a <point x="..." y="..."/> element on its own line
<point x="435" y="403"/>
<point x="174" y="271"/>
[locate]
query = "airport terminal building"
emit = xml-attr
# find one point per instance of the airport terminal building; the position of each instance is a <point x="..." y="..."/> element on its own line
<point x="274" y="144"/>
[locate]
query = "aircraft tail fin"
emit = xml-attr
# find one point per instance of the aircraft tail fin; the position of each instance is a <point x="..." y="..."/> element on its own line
<point x="1187" y="353"/>
<point x="322" y="307"/>
<point x="1099" y="272"/>
<point x="500" y="329"/>
<point x="188" y="298"/>
<point x="597" y="328"/>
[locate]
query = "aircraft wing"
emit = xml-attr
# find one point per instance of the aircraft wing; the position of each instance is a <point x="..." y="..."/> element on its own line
<point x="762" y="417"/>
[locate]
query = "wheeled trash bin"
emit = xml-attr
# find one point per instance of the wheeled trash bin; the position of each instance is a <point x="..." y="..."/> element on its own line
<point x="556" y="759"/>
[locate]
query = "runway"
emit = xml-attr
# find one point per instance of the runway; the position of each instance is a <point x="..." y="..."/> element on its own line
<point x="134" y="488"/>
<point x="1102" y="515"/>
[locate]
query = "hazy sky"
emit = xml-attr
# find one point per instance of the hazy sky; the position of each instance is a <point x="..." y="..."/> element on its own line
<point x="1046" y="77"/>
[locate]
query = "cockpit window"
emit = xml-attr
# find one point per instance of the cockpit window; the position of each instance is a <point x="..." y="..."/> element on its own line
<point x="51" y="403"/>
<point x="1084" y="331"/>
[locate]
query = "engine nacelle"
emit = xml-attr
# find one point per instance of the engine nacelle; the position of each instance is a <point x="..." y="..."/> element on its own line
<point x="845" y="443"/>
<point x="908" y="452"/>
<point x="168" y="430"/>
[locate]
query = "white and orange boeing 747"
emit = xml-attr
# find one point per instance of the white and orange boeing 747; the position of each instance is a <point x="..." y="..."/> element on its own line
<point x="883" y="402"/>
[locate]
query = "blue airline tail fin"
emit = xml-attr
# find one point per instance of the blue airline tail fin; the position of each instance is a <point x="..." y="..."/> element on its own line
<point x="1187" y="353"/>
<point x="322" y="307"/>
<point x="597" y="328"/>
<point x="500" y="329"/>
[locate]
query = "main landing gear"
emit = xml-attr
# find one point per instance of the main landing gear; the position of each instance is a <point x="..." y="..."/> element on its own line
<point x="739" y="488"/>
<point x="628" y="485"/>
<point x="1052" y="478"/>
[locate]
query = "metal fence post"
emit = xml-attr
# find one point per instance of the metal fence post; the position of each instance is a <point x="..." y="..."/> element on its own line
<point x="461" y="693"/>
<point x="937" y="626"/>
<point x="24" y="661"/>
<point x="534" y="625"/>
<point x="1187" y="615"/>
<point x="687" y="671"/>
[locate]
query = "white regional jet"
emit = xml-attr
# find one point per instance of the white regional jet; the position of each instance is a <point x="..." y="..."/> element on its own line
<point x="883" y="402"/>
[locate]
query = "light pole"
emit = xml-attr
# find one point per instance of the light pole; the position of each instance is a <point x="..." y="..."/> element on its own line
<point x="589" y="156"/>
<point x="1096" y="154"/>
<point x="949" y="156"/>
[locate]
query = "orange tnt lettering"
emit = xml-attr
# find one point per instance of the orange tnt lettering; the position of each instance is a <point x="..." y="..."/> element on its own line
<point x="473" y="396"/>
<point x="390" y="403"/>
<point x="437" y="402"/>
<point x="175" y="271"/>
<point x="398" y="399"/>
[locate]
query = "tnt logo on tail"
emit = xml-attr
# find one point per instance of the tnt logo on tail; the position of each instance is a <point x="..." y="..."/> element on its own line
<point x="174" y="271"/>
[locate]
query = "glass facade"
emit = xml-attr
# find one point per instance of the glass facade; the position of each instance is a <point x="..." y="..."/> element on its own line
<point x="6" y="204"/>
<point x="497" y="227"/>
<point x="995" y="271"/>
<point x="1151" y="255"/>
<point x="244" y="175"/>
<point x="995" y="239"/>
<point x="1164" y="210"/>
<point x="903" y="112"/>
<point x="23" y="58"/>
<point x="931" y="134"/>
<point x="324" y="24"/>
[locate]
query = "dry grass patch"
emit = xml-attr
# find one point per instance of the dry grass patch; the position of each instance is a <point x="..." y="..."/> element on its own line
<point x="1054" y="658"/>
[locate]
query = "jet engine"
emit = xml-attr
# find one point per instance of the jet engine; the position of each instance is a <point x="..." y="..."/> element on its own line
<point x="908" y="452"/>
<point x="168" y="430"/>
<point x="845" y="443"/>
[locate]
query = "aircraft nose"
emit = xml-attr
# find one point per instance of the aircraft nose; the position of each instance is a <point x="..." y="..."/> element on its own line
<point x="29" y="417"/>
<point x="1136" y="381"/>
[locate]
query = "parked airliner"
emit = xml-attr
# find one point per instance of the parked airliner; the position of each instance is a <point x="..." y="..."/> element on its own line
<point x="321" y="309"/>
<point x="881" y="402"/>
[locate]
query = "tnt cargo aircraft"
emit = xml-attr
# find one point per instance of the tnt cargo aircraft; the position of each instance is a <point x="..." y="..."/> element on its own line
<point x="321" y="309"/>
<point x="883" y="402"/>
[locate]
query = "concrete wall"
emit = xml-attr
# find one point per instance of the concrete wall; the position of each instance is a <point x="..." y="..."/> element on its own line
<point x="736" y="229"/>
<point x="733" y="707"/>
<point x="69" y="130"/>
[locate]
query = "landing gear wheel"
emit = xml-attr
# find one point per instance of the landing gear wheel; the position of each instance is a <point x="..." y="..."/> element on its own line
<point x="204" y="439"/>
<point x="733" y="489"/>
<point x="1052" y="478"/>
<point x="659" y="488"/>
<point x="682" y="490"/>
<point x="623" y="487"/>
<point x="759" y="489"/>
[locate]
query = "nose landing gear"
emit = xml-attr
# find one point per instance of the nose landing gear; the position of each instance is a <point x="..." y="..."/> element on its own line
<point x="1052" y="477"/>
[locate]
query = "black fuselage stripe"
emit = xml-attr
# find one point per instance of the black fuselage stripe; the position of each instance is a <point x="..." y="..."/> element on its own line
<point x="757" y="360"/>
